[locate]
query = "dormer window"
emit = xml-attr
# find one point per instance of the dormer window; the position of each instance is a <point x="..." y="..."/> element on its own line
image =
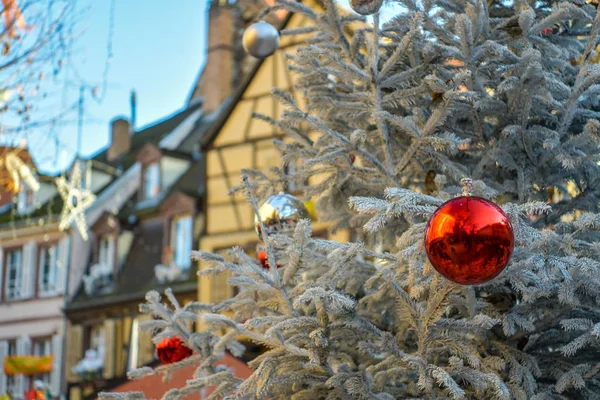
<point x="152" y="180"/>
<point x="106" y="251"/>
<point x="181" y="240"/>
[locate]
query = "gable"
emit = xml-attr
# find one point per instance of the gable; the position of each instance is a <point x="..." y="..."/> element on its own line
<point x="244" y="142"/>
<point x="272" y="72"/>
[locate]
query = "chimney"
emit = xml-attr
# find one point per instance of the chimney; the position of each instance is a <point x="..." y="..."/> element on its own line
<point x="133" y="103"/>
<point x="120" y="141"/>
<point x="221" y="71"/>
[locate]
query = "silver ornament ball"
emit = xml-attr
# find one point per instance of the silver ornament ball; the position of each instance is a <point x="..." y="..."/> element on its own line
<point x="260" y="40"/>
<point x="280" y="213"/>
<point x="366" y="7"/>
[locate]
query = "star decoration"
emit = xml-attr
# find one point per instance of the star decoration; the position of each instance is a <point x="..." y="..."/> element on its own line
<point x="76" y="200"/>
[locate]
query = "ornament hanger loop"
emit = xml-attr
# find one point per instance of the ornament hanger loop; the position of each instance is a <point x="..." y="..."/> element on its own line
<point x="467" y="183"/>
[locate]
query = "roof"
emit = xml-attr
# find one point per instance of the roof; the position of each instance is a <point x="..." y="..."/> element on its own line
<point x="154" y="387"/>
<point x="49" y="210"/>
<point x="137" y="273"/>
<point x="151" y="134"/>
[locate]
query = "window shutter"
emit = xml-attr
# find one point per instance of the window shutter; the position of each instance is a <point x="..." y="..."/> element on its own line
<point x="188" y="237"/>
<point x="145" y="345"/>
<point x="55" y="377"/>
<point x="40" y="271"/>
<point x="1" y="281"/>
<point x="23" y="348"/>
<point x="28" y="265"/>
<point x="109" y="348"/>
<point x="3" y="354"/>
<point x="74" y="351"/>
<point x="64" y="247"/>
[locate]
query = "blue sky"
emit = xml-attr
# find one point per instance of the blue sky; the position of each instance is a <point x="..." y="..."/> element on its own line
<point x="158" y="50"/>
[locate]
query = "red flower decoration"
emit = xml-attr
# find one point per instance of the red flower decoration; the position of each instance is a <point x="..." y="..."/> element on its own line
<point x="264" y="261"/>
<point x="171" y="350"/>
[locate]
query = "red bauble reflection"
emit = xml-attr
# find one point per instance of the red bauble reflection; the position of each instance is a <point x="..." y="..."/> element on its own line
<point x="264" y="260"/>
<point x="171" y="350"/>
<point x="469" y="240"/>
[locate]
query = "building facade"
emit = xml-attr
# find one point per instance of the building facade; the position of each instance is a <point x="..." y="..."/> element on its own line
<point x="37" y="261"/>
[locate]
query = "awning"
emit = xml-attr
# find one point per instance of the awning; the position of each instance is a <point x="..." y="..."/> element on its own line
<point x="27" y="365"/>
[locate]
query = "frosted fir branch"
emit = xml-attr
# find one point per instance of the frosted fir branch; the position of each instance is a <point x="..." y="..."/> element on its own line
<point x="140" y="373"/>
<point x="534" y="208"/>
<point x="302" y="234"/>
<point x="204" y="256"/>
<point x="121" y="395"/>
<point x="405" y="124"/>
<point x="338" y="302"/>
<point x="298" y="31"/>
<point x="222" y="378"/>
<point x="443" y="378"/>
<point x="563" y="12"/>
<point x="573" y="378"/>
<point x="383" y="211"/>
<point x="411" y="197"/>
<point x="401" y="47"/>
<point x="298" y="8"/>
<point x="319" y="125"/>
<point x="152" y="325"/>
<point x="576" y="324"/>
<point x="334" y="24"/>
<point x="329" y="246"/>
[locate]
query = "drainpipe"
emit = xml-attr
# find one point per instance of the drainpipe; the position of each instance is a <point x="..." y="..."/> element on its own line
<point x="63" y="375"/>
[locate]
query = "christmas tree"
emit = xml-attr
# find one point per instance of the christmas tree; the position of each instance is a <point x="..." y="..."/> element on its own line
<point x="396" y="116"/>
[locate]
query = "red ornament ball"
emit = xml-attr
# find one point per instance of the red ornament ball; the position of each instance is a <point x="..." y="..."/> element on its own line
<point x="264" y="259"/>
<point x="469" y="240"/>
<point x="171" y="350"/>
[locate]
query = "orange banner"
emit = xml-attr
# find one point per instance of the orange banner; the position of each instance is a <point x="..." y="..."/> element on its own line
<point x="27" y="365"/>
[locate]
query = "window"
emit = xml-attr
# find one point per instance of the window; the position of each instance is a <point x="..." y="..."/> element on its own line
<point x="14" y="273"/>
<point x="25" y="198"/>
<point x="152" y="180"/>
<point x="48" y="272"/>
<point x="106" y="249"/>
<point x="11" y="380"/>
<point x="97" y="338"/>
<point x="181" y="241"/>
<point x="42" y="347"/>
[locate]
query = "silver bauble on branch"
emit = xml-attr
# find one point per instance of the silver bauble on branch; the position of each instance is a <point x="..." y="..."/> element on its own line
<point x="280" y="213"/>
<point x="366" y="7"/>
<point x="260" y="40"/>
